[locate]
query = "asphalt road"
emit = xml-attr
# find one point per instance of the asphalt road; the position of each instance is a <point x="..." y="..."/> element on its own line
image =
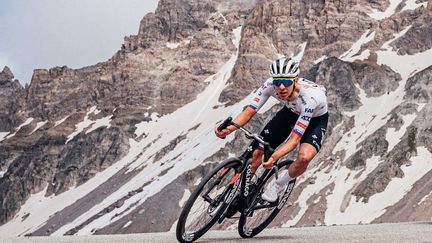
<point x="389" y="232"/>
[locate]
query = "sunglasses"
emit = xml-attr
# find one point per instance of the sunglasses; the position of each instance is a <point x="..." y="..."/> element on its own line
<point x="285" y="81"/>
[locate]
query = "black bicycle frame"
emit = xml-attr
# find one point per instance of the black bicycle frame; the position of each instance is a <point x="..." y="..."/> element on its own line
<point x="246" y="171"/>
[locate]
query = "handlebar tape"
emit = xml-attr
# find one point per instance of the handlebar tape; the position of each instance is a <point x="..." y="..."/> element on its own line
<point x="225" y="124"/>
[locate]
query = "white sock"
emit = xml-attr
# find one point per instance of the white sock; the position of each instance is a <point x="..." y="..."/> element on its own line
<point x="283" y="180"/>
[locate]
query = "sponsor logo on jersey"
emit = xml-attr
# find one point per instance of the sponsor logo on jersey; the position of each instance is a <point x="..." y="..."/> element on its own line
<point x="260" y="93"/>
<point x="306" y="118"/>
<point x="304" y="126"/>
<point x="316" y="144"/>
<point x="314" y="136"/>
<point x="309" y="110"/>
<point x="256" y="99"/>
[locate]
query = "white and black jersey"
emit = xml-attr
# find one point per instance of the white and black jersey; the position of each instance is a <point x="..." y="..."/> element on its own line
<point x="311" y="102"/>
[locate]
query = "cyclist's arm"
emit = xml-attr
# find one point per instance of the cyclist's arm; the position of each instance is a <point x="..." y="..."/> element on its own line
<point x="257" y="101"/>
<point x="242" y="118"/>
<point x="259" y="98"/>
<point x="287" y="147"/>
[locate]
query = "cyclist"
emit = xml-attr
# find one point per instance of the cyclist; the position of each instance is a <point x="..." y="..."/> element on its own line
<point x="303" y="119"/>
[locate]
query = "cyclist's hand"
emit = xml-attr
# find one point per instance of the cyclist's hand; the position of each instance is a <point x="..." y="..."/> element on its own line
<point x="223" y="133"/>
<point x="269" y="164"/>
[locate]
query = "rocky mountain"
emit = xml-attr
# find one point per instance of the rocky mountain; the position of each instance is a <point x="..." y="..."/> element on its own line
<point x="117" y="147"/>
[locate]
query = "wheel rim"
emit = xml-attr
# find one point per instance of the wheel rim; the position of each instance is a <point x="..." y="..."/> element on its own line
<point x="259" y="216"/>
<point x="203" y="212"/>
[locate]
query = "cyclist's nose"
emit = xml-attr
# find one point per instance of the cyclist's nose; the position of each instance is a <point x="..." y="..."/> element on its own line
<point x="282" y="86"/>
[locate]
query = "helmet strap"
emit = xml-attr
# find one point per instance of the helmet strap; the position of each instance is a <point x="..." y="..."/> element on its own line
<point x="292" y="92"/>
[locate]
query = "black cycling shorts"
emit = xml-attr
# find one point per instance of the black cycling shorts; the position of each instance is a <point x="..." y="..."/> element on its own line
<point x="279" y="128"/>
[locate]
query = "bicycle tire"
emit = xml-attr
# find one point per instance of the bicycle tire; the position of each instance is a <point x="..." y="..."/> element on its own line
<point x="246" y="231"/>
<point x="184" y="234"/>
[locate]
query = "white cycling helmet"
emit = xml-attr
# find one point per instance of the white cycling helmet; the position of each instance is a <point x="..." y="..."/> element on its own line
<point x="284" y="67"/>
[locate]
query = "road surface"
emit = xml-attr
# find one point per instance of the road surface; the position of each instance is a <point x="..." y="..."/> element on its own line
<point x="388" y="232"/>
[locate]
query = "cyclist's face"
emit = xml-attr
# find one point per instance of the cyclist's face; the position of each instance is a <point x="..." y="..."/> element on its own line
<point x="284" y="91"/>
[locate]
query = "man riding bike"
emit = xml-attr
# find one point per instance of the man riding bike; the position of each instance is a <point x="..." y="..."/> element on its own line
<point x="303" y="119"/>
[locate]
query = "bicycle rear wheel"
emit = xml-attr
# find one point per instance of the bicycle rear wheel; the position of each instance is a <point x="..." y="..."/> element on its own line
<point x="206" y="203"/>
<point x="262" y="213"/>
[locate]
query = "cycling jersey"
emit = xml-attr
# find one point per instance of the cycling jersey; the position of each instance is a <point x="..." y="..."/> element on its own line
<point x="311" y="102"/>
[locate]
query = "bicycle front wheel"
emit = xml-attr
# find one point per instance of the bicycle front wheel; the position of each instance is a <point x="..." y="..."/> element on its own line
<point x="206" y="203"/>
<point x="262" y="212"/>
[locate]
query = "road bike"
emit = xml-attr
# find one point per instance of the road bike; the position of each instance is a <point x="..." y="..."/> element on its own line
<point x="230" y="188"/>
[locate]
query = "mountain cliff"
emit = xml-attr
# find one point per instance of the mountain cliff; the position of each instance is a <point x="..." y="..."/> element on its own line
<point x="117" y="147"/>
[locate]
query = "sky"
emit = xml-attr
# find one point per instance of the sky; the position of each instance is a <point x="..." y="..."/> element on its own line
<point x="75" y="33"/>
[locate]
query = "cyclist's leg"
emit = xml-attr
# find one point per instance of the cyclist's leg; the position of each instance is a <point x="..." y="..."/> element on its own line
<point x="275" y="132"/>
<point x="306" y="153"/>
<point x="256" y="159"/>
<point x="310" y="144"/>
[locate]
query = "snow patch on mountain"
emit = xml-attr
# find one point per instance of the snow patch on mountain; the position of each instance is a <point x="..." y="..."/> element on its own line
<point x="299" y="55"/>
<point x="353" y="53"/>
<point x="61" y="121"/>
<point x="28" y="121"/>
<point x="320" y="59"/>
<point x="127" y="224"/>
<point x="378" y="15"/>
<point x="424" y="199"/>
<point x="91" y="124"/>
<point x="102" y="122"/>
<point x="393" y="136"/>
<point x="412" y="4"/>
<point x="185" y="197"/>
<point x="171" y="45"/>
<point x="3" y="135"/>
<point x="175" y="45"/>
<point x="38" y="125"/>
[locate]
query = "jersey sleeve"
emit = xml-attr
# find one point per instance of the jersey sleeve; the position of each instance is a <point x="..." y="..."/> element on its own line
<point x="304" y="119"/>
<point x="260" y="97"/>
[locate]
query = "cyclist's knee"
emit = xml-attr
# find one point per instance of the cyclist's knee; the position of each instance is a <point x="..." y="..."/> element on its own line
<point x="303" y="159"/>
<point x="257" y="154"/>
<point x="301" y="162"/>
<point x="256" y="159"/>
